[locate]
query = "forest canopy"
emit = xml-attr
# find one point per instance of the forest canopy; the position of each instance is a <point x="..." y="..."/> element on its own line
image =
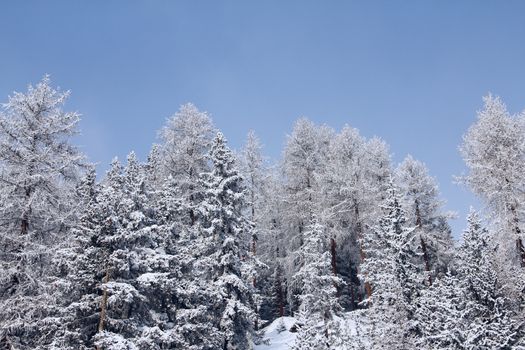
<point x="200" y="247"/>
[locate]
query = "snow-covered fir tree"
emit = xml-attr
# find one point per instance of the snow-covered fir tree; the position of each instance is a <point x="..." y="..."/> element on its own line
<point x="222" y="248"/>
<point x="487" y="310"/>
<point x="39" y="170"/>
<point x="154" y="168"/>
<point x="439" y="314"/>
<point x="469" y="310"/>
<point x="395" y="280"/>
<point x="80" y="261"/>
<point x="126" y="267"/>
<point x="319" y="303"/>
<point x="254" y="172"/>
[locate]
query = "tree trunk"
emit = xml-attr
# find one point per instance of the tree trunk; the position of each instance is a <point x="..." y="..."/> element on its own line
<point x="419" y="222"/>
<point x="256" y="309"/>
<point x="280" y="295"/>
<point x="352" y="296"/>
<point x="254" y="281"/>
<point x="191" y="197"/>
<point x="426" y="258"/>
<point x="24" y="226"/>
<point x="521" y="251"/>
<point x="519" y="242"/>
<point x="192" y="217"/>
<point x="281" y="308"/>
<point x="333" y="252"/>
<point x="254" y="252"/>
<point x="334" y="257"/>
<point x="252" y="195"/>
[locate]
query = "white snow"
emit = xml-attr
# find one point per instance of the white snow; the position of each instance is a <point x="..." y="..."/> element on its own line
<point x="276" y="339"/>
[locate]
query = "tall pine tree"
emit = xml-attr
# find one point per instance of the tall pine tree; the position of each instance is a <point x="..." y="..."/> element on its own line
<point x="395" y="280"/>
<point x="319" y="303"/>
<point x="222" y="249"/>
<point x="468" y="309"/>
<point x="39" y="170"/>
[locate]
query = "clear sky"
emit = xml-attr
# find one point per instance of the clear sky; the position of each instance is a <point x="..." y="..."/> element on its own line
<point x="411" y="72"/>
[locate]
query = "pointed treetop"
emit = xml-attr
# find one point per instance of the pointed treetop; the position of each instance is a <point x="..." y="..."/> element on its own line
<point x="132" y="157"/>
<point x="114" y="174"/>
<point x="115" y="164"/>
<point x="475" y="234"/>
<point x="493" y="106"/>
<point x="220" y="138"/>
<point x="221" y="155"/>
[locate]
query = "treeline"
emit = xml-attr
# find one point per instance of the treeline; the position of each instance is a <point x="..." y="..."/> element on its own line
<point x="199" y="246"/>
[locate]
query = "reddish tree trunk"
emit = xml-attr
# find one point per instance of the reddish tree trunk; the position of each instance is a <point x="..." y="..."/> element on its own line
<point x="24" y="226"/>
<point x="519" y="242"/>
<point x="333" y="252"/>
<point x="334" y="257"/>
<point x="280" y="298"/>
<point x="521" y="251"/>
<point x="279" y="294"/>
<point x="254" y="252"/>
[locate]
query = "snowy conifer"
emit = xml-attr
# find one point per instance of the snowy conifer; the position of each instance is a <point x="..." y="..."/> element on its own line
<point x="39" y="170"/>
<point x="222" y="249"/>
<point x="420" y="198"/>
<point x="127" y="268"/>
<point x="494" y="152"/>
<point x="252" y="166"/>
<point x="394" y="278"/>
<point x="304" y="160"/>
<point x="319" y="304"/>
<point x="469" y="310"/>
<point x="487" y="310"/>
<point x="439" y="314"/>
<point x="187" y="139"/>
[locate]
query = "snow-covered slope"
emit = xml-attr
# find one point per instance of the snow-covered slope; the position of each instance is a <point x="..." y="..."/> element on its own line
<point x="278" y="336"/>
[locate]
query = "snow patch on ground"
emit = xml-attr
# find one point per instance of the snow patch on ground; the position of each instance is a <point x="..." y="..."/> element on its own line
<point x="277" y="336"/>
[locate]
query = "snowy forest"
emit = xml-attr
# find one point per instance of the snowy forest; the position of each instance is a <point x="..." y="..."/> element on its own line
<point x="202" y="247"/>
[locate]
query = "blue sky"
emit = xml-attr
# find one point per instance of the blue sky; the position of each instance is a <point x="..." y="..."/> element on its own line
<point x="411" y="72"/>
